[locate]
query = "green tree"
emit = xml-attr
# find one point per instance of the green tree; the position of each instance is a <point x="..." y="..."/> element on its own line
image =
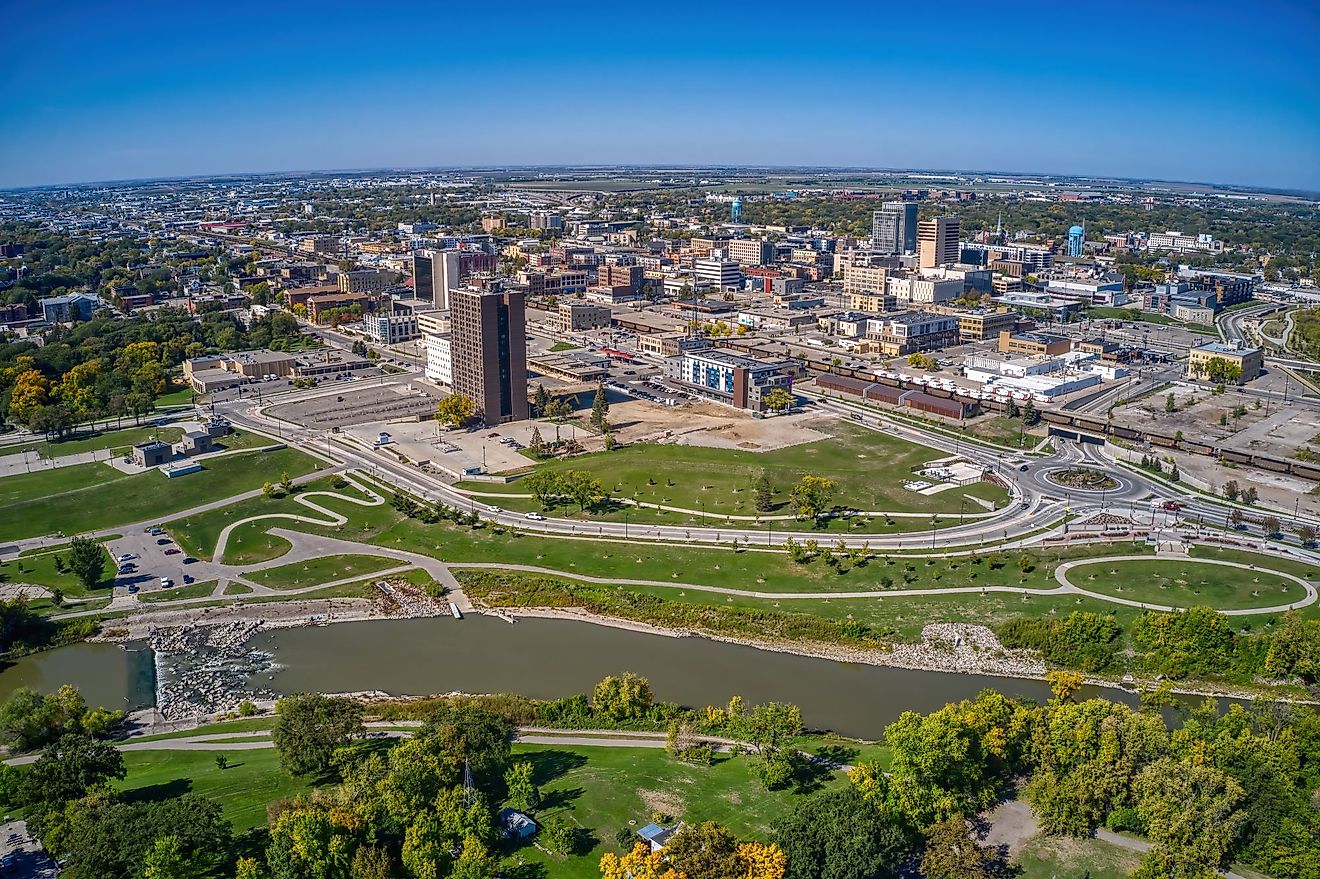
<point x="455" y="410"/>
<point x="544" y="485"/>
<point x="952" y="853"/>
<point x="537" y="443"/>
<point x="600" y="410"/>
<point x="837" y="834"/>
<point x="309" y="727"/>
<point x="65" y="771"/>
<point x="473" y="736"/>
<point x="166" y="859"/>
<point x="1191" y="816"/>
<point x="622" y="697"/>
<point x="704" y="851"/>
<point x="540" y="401"/>
<point x="307" y="843"/>
<point x="87" y="561"/>
<point x="581" y="488"/>
<point x="765" y="501"/>
<point x="777" y="399"/>
<point x="812" y="495"/>
<point x="521" y="783"/>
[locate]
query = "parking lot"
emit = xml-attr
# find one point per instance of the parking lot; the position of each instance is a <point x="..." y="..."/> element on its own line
<point x="154" y="556"/>
<point x="359" y="404"/>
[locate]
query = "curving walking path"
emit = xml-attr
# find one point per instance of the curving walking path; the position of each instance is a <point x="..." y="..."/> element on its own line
<point x="332" y="519"/>
<point x="1061" y="574"/>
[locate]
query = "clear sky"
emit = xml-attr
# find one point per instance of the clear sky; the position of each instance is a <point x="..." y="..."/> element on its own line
<point x="1216" y="90"/>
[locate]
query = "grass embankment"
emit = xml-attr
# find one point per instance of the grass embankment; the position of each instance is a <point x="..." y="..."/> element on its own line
<point x="1174" y="583"/>
<point x="90" y="497"/>
<point x="192" y="590"/>
<point x="118" y="440"/>
<point x="870" y="468"/>
<point x="325" y="569"/>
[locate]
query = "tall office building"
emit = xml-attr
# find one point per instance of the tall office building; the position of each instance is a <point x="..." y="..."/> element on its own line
<point x="488" y="350"/>
<point x="423" y="266"/>
<point x="937" y="240"/>
<point x="894" y="228"/>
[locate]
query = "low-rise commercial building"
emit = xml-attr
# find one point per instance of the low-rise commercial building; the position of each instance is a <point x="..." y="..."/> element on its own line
<point x="390" y="329"/>
<point x="439" y="359"/>
<point x="1033" y="344"/>
<point x="583" y="316"/>
<point x="979" y="324"/>
<point x="910" y="332"/>
<point x="1244" y="363"/>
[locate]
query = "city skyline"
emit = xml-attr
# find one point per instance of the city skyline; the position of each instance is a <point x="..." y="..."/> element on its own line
<point x="92" y="96"/>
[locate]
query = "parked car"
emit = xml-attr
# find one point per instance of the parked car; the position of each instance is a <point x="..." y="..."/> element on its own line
<point x="173" y="550"/>
<point x="166" y="582"/>
<point x="132" y="587"/>
<point x="187" y="578"/>
<point x="162" y="541"/>
<point x="127" y="557"/>
<point x="188" y="560"/>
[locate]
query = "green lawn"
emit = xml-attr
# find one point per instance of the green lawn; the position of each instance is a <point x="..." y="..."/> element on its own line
<point x="198" y="534"/>
<point x="299" y="575"/>
<point x="603" y="789"/>
<point x="39" y="569"/>
<point x="868" y="466"/>
<point x="1176" y="583"/>
<point x="84" y="442"/>
<point x="192" y="590"/>
<point x="1245" y="557"/>
<point x="253" y="779"/>
<point x="182" y="397"/>
<point x="1055" y="857"/>
<point x="90" y="497"/>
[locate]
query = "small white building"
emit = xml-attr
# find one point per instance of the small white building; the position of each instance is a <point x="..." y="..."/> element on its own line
<point x="439" y="359"/>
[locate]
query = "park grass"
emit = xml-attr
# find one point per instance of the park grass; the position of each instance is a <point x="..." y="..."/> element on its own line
<point x="1270" y="562"/>
<point x="180" y="397"/>
<point x="38" y="569"/>
<point x="119" y="440"/>
<point x="253" y="779"/>
<point x="251" y="543"/>
<point x="1178" y="583"/>
<point x="91" y="497"/>
<point x="801" y="622"/>
<point x="1064" y="857"/>
<point x="325" y="569"/>
<point x="602" y="789"/>
<point x="868" y="466"/>
<point x="198" y="534"/>
<point x="236" y="589"/>
<point x="178" y="593"/>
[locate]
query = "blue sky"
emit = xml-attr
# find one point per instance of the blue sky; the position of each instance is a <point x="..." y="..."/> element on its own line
<point x="1218" y="91"/>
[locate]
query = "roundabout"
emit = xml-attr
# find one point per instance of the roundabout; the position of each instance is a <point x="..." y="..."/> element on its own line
<point x="1082" y="479"/>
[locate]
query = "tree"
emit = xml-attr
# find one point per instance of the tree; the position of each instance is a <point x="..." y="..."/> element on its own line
<point x="87" y="561"/>
<point x="582" y="488"/>
<point x="469" y="735"/>
<point x="600" y="410"/>
<point x="811" y="496"/>
<point x="540" y="400"/>
<point x="1249" y="495"/>
<point x="565" y="837"/>
<point x="66" y="770"/>
<point x="765" y="501"/>
<point x="1030" y="414"/>
<point x="777" y="399"/>
<point x="1169" y="405"/>
<point x="759" y="860"/>
<point x="455" y="410"/>
<point x="167" y="860"/>
<point x="310" y="843"/>
<point x="1306" y="534"/>
<point x="309" y="727"/>
<point x="1270" y="525"/>
<point x="836" y="834"/>
<point x="537" y="443"/>
<point x="769" y="728"/>
<point x="953" y="853"/>
<point x="638" y="863"/>
<point x="622" y="697"/>
<point x="1191" y="815"/>
<point x="704" y="851"/>
<point x="1232" y="490"/>
<point x="521" y="783"/>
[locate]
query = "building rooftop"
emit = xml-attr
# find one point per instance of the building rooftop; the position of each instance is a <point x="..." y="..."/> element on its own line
<point x="1224" y="348"/>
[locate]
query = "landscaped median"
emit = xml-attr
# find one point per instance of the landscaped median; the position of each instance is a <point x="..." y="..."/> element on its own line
<point x="1183" y="583"/>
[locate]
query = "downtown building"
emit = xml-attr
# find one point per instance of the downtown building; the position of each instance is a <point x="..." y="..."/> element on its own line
<point x="894" y="228"/>
<point x="938" y="242"/>
<point x="488" y="350"/>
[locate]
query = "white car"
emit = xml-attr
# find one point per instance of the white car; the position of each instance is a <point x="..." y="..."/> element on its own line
<point x="166" y="582"/>
<point x="535" y="517"/>
<point x="126" y="557"/>
<point x="495" y="509"/>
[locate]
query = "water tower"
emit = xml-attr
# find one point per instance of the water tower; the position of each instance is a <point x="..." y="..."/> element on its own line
<point x="735" y="211"/>
<point x="1076" y="236"/>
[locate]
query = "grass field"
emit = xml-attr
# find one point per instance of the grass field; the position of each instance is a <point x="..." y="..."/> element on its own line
<point x="109" y="439"/>
<point x="1177" y="583"/>
<point x="869" y="468"/>
<point x="1245" y="557"/>
<point x="39" y="569"/>
<point x="253" y="779"/>
<point x="1054" y="857"/>
<point x="320" y="570"/>
<point x="90" y="497"/>
<point x="603" y="789"/>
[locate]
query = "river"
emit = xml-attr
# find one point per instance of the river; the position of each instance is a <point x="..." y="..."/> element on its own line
<point x="542" y="658"/>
